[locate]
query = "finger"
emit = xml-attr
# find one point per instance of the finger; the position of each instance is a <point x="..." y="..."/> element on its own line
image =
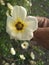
<point x="41" y="36"/>
<point x="42" y="33"/>
<point x="43" y="22"/>
<point x="40" y="21"/>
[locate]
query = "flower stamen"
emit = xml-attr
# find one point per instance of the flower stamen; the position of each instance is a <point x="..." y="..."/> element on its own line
<point x="19" y="25"/>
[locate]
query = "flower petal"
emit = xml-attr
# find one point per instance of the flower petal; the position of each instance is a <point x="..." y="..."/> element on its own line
<point x="32" y="22"/>
<point x="22" y="57"/>
<point x="18" y="36"/>
<point x="9" y="28"/>
<point x="19" y="12"/>
<point x="32" y="55"/>
<point x="27" y="35"/>
<point x="9" y="21"/>
<point x="12" y="51"/>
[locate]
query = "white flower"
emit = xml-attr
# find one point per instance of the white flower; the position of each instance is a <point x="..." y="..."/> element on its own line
<point x="32" y="55"/>
<point x="12" y="51"/>
<point x="7" y="13"/>
<point x="9" y="6"/>
<point x="25" y="45"/>
<point x="2" y="2"/>
<point x="29" y="3"/>
<point x="20" y="26"/>
<point x="13" y="64"/>
<point x="6" y="64"/>
<point x="32" y="62"/>
<point x="22" y="57"/>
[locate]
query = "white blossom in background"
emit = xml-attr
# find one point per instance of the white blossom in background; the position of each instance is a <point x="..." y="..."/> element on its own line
<point x="20" y="26"/>
<point x="2" y="2"/>
<point x="13" y="64"/>
<point x="25" y="45"/>
<point x="22" y="57"/>
<point x="6" y="64"/>
<point x="12" y="51"/>
<point x="7" y="13"/>
<point x="32" y="62"/>
<point x="9" y="6"/>
<point x="3" y="62"/>
<point x="32" y="55"/>
<point x="45" y="0"/>
<point x="41" y="5"/>
<point x="28" y="2"/>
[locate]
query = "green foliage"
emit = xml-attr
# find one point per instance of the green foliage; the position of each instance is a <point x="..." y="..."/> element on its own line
<point x="40" y="62"/>
<point x="40" y="8"/>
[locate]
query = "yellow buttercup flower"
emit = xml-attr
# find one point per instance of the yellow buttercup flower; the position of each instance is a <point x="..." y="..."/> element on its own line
<point x="20" y="26"/>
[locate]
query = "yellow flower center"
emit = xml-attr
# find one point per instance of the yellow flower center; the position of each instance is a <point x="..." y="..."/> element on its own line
<point x="19" y="25"/>
<point x="24" y="44"/>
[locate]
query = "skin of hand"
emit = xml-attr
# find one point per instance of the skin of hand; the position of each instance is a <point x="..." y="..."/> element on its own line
<point x="41" y="35"/>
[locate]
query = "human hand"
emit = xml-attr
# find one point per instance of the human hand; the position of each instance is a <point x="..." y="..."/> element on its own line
<point x="41" y="35"/>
